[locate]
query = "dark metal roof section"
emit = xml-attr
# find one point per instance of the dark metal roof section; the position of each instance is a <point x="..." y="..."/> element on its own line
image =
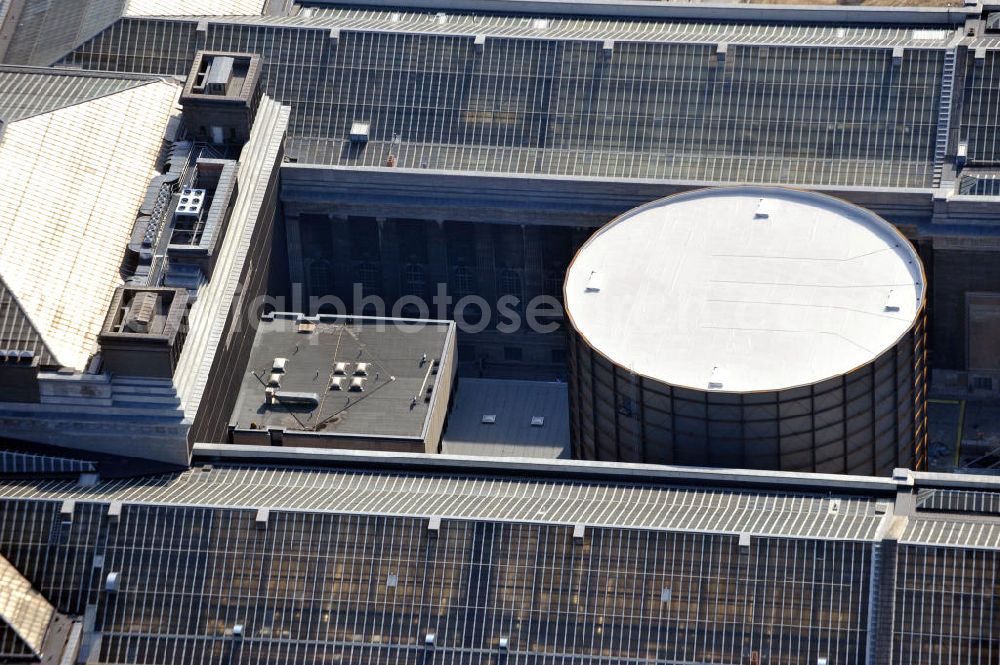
<point x="26" y="92"/>
<point x="826" y="105"/>
<point x="508" y="419"/>
<point x="474" y="562"/>
<point x="49" y="29"/>
<point x="14" y="463"/>
<point x="19" y="338"/>
<point x="24" y="616"/>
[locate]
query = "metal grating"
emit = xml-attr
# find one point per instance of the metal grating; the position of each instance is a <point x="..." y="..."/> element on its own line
<point x="947" y="604"/>
<point x="15" y="463"/>
<point x="979" y="184"/>
<point x="792" y="114"/>
<point x="368" y="589"/>
<point x="971" y="534"/>
<point x="548" y="502"/>
<point x="981" y="112"/>
<point x="600" y="29"/>
<point x="959" y="501"/>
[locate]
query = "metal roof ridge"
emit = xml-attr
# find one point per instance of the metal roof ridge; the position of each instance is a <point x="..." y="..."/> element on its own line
<point x="621" y="9"/>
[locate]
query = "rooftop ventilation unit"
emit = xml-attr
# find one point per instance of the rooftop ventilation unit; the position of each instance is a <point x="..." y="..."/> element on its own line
<point x="892" y="301"/>
<point x="337" y="383"/>
<point x="191" y="203"/>
<point x="537" y="421"/>
<point x="220" y="71"/>
<point x="429" y="639"/>
<point x="489" y="418"/>
<point x="762" y="210"/>
<point x="141" y="312"/>
<point x="361" y="369"/>
<point x="715" y="380"/>
<point x="111" y="582"/>
<point x="279" y="365"/>
<point x="358" y="384"/>
<point x="274" y="380"/>
<point x="340" y="369"/>
<point x="360" y="131"/>
<point x="287" y="398"/>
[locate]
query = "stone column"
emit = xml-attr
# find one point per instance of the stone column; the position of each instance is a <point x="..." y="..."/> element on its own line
<point x="293" y="237"/>
<point x="388" y="241"/>
<point x="343" y="273"/>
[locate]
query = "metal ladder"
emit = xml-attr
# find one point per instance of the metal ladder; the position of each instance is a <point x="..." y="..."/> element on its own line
<point x="944" y="114"/>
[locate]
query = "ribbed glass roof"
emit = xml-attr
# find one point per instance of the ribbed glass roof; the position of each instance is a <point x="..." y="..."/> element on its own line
<point x="838" y="116"/>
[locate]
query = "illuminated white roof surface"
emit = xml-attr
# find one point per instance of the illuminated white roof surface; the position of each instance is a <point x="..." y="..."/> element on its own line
<point x="194" y="7"/>
<point x="73" y="181"/>
<point x="744" y="289"/>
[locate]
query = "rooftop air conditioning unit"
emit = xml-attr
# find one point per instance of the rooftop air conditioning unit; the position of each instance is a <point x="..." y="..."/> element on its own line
<point x="361" y="369"/>
<point x="358" y="384"/>
<point x="191" y="203"/>
<point x="337" y="383"/>
<point x="340" y="369"/>
<point x="360" y="131"/>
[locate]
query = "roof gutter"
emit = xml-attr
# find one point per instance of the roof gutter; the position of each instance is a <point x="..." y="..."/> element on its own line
<point x="729" y="12"/>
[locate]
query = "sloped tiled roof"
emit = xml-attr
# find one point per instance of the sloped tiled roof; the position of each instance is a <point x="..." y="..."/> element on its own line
<point x="74" y="178"/>
<point x="17" y="332"/>
<point x="24" y="614"/>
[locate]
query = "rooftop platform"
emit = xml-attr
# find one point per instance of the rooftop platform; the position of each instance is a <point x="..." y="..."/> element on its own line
<point x="505" y="418"/>
<point x="344" y="378"/>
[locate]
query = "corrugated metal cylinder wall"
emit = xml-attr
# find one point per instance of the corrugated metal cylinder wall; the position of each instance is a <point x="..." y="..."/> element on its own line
<point x="868" y="421"/>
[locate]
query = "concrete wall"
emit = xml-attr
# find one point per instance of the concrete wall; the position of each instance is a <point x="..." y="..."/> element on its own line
<point x="958" y="273"/>
<point x="221" y="390"/>
<point x="441" y="398"/>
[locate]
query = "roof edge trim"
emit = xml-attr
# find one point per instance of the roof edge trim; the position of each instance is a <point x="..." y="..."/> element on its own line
<point x="686" y="10"/>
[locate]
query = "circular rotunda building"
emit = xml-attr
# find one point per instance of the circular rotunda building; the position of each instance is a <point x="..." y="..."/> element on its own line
<point x="754" y="327"/>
